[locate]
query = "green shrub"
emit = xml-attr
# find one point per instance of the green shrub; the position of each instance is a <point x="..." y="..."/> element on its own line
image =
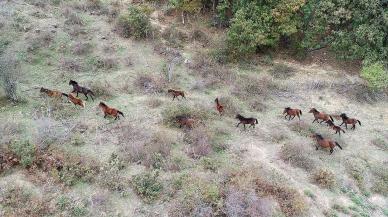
<point x="147" y="185"/>
<point x="25" y="151"/>
<point x="134" y="23"/>
<point x="77" y="170"/>
<point x="376" y="75"/>
<point x="170" y="113"/>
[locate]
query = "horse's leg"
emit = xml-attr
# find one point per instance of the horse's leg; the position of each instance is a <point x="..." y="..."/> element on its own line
<point x="86" y="96"/>
<point x="331" y="150"/>
<point x="238" y="124"/>
<point x="105" y="115"/>
<point x="316" y="147"/>
<point x="354" y="126"/>
<point x="91" y="97"/>
<point x="292" y="117"/>
<point x="244" y="127"/>
<point x="342" y="123"/>
<point x="77" y="93"/>
<point x="321" y="122"/>
<point x="289" y="117"/>
<point x="254" y="126"/>
<point x="315" y="120"/>
<point x="346" y="125"/>
<point x="173" y="98"/>
<point x="285" y="117"/>
<point x="298" y="116"/>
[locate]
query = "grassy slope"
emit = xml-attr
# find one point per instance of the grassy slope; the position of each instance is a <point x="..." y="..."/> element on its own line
<point x="259" y="149"/>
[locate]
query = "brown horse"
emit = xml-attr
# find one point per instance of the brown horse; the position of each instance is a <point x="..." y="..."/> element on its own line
<point x="346" y="120"/>
<point x="320" y="115"/>
<point x="243" y="120"/>
<point x="53" y="93"/>
<point x="325" y="143"/>
<point x="176" y="93"/>
<point x="76" y="101"/>
<point x="78" y="89"/>
<point x="219" y="107"/>
<point x="185" y="121"/>
<point x="292" y="113"/>
<point x="110" y="111"/>
<point x="337" y="129"/>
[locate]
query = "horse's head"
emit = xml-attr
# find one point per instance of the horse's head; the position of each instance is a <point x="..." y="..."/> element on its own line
<point x="286" y="110"/>
<point x="42" y="90"/>
<point x="316" y="135"/>
<point x="238" y="116"/>
<point x="102" y="105"/>
<point x="216" y="100"/>
<point x="170" y="90"/>
<point x="329" y="122"/>
<point x="71" y="82"/>
<point x="344" y="116"/>
<point x="313" y="110"/>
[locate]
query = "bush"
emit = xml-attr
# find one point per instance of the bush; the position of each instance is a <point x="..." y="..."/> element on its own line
<point x="377" y="76"/>
<point x="76" y="169"/>
<point x="324" y="178"/>
<point x="9" y="69"/>
<point x="134" y="23"/>
<point x="199" y="142"/>
<point x="147" y="185"/>
<point x="110" y="176"/>
<point x="170" y="113"/>
<point x="297" y="156"/>
<point x="25" y="151"/>
<point x="254" y="86"/>
<point x="147" y="83"/>
<point x="282" y="71"/>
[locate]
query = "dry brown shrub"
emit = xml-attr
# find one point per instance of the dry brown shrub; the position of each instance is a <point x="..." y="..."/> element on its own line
<point x="74" y="19"/>
<point x="360" y="92"/>
<point x="199" y="140"/>
<point x="102" y="89"/>
<point x="71" y="65"/>
<point x="249" y="86"/>
<point x="282" y="71"/>
<point x="298" y="156"/>
<point x="302" y="128"/>
<point x="82" y="48"/>
<point x="147" y="83"/>
<point x="41" y="40"/>
<point x="199" y="35"/>
<point x="154" y="102"/>
<point x="324" y="178"/>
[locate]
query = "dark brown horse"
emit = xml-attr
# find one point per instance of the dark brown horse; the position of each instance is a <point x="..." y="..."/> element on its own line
<point x="325" y="143"/>
<point x="337" y="129"/>
<point x="292" y="113"/>
<point x="110" y="111"/>
<point x="320" y="116"/>
<point x="78" y="89"/>
<point x="346" y="120"/>
<point x="53" y="93"/>
<point x="183" y="120"/>
<point x="176" y="93"/>
<point x="219" y="107"/>
<point x="244" y="121"/>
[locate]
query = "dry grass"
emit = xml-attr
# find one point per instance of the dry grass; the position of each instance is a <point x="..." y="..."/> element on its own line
<point x="324" y="178"/>
<point x="250" y="86"/>
<point x="147" y="83"/>
<point x="282" y="71"/>
<point x="199" y="142"/>
<point x="297" y="155"/>
<point x="82" y="48"/>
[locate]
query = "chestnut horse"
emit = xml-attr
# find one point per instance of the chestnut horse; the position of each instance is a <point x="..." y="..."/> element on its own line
<point x="346" y="120"/>
<point x="243" y="120"/>
<point x="110" y="111"/>
<point x="76" y="101"/>
<point x="325" y="143"/>
<point x="53" y="93"/>
<point x="337" y="129"/>
<point x="292" y="113"/>
<point x="176" y="93"/>
<point x="320" y="115"/>
<point x="78" y="89"/>
<point x="185" y="121"/>
<point x="219" y="107"/>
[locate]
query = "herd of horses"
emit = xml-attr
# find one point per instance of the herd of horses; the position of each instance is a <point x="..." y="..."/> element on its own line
<point x="189" y="122"/>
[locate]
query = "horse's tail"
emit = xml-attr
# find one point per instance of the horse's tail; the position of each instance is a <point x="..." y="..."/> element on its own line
<point x="256" y="121"/>
<point x="331" y="118"/>
<point x="64" y="94"/>
<point x="338" y="145"/>
<point x="359" y="122"/>
<point x="300" y="112"/>
<point x="122" y="114"/>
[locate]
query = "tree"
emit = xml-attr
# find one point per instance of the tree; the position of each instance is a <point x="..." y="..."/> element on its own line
<point x="186" y="7"/>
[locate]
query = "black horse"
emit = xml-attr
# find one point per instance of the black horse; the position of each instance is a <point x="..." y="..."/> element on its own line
<point x="243" y="120"/>
<point x="78" y="89"/>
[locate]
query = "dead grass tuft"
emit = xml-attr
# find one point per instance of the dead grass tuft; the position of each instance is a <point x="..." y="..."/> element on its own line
<point x="102" y="89"/>
<point x="154" y="102"/>
<point x="249" y="86"/>
<point x="324" y="178"/>
<point x="71" y="65"/>
<point x="82" y="48"/>
<point x="297" y="155"/>
<point x="147" y="83"/>
<point x="199" y="142"/>
<point x="282" y="71"/>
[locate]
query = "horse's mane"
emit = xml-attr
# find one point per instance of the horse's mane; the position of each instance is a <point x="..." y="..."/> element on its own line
<point x="314" y="109"/>
<point x="344" y="116"/>
<point x="103" y="104"/>
<point x="42" y="89"/>
<point x="287" y="108"/>
<point x="73" y="82"/>
<point x="319" y="136"/>
<point x="216" y="100"/>
<point x="171" y="90"/>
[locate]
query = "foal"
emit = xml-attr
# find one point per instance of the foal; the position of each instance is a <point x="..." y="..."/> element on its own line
<point x="325" y="143"/>
<point x="110" y="111"/>
<point x="219" y="107"/>
<point x="292" y="112"/>
<point x="337" y="129"/>
<point x="243" y="120"/>
<point x="53" y="93"/>
<point x="176" y="93"/>
<point x="185" y="121"/>
<point x="76" y="101"/>
<point x="346" y="120"/>
<point x="320" y="115"/>
<point x="78" y="89"/>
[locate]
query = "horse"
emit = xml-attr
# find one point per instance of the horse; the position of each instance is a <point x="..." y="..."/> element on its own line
<point x="78" y="89"/>
<point x="219" y="107"/>
<point x="243" y="120"/>
<point x="337" y="129"/>
<point x="76" y="101"/>
<point x="53" y="93"/>
<point x="176" y="93"/>
<point x="292" y="112"/>
<point x="110" y="111"/>
<point x="183" y="120"/>
<point x="346" y="120"/>
<point x="320" y="115"/>
<point x="325" y="143"/>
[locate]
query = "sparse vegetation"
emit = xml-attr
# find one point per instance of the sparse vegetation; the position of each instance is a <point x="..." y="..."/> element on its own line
<point x="324" y="178"/>
<point x="25" y="151"/>
<point x="134" y="23"/>
<point x="9" y="75"/>
<point x="147" y="185"/>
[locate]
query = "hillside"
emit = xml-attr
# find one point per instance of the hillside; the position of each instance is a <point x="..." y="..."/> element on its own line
<point x="58" y="159"/>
